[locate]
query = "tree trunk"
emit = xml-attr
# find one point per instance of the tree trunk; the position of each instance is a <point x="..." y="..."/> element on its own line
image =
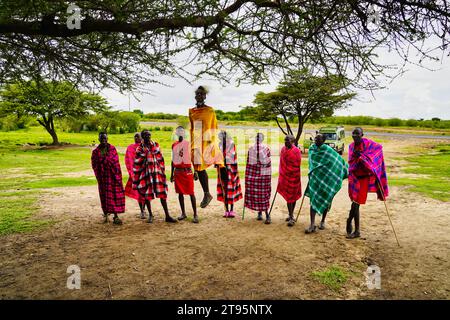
<point x="299" y="129"/>
<point x="54" y="136"/>
<point x="50" y="127"/>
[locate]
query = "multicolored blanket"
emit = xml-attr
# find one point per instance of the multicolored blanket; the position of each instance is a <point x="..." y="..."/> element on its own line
<point x="231" y="185"/>
<point x="369" y="159"/>
<point x="130" y="155"/>
<point x="258" y="174"/>
<point x="327" y="169"/>
<point x="107" y="170"/>
<point x="149" y="172"/>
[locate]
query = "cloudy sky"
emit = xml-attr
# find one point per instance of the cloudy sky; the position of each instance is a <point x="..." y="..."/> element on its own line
<point x="419" y="93"/>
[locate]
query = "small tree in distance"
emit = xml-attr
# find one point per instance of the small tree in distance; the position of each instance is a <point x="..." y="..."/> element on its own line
<point x="301" y="96"/>
<point x="48" y="101"/>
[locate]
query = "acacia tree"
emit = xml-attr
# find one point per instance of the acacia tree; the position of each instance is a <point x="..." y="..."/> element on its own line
<point x="303" y="96"/>
<point x="124" y="43"/>
<point x="49" y="101"/>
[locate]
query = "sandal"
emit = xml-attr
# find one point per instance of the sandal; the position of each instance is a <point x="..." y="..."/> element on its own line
<point x="291" y="223"/>
<point x="105" y="218"/>
<point x="142" y="216"/>
<point x="206" y="200"/>
<point x="195" y="220"/>
<point x="268" y="220"/>
<point x="354" y="235"/>
<point x="117" y="220"/>
<point x="310" y="230"/>
<point x="322" y="226"/>
<point x="170" y="219"/>
<point x="259" y="216"/>
<point x="150" y="219"/>
<point x="182" y="217"/>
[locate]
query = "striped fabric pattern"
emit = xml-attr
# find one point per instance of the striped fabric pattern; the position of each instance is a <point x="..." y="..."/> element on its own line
<point x="149" y="172"/>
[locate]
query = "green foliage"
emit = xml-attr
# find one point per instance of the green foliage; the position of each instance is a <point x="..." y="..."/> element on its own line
<point x="13" y="122"/>
<point x="139" y="112"/>
<point x="334" y="277"/>
<point x="48" y="101"/>
<point x="303" y="96"/>
<point x="392" y="122"/>
<point x="129" y="121"/>
<point x="183" y="121"/>
<point x="160" y="116"/>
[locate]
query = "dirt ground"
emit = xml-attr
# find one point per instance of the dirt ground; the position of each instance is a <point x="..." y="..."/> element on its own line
<point x="229" y="258"/>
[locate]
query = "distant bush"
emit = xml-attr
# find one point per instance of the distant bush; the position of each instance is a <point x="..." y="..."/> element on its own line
<point x="12" y="122"/>
<point x="395" y="122"/>
<point x="411" y="123"/>
<point x="392" y="122"/>
<point x="110" y="121"/>
<point x="128" y="121"/>
<point x="183" y="121"/>
<point x="160" y="116"/>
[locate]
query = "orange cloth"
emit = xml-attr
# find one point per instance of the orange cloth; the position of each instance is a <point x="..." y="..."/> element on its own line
<point x="204" y="130"/>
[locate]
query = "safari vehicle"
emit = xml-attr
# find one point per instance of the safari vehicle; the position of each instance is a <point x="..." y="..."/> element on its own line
<point x="334" y="137"/>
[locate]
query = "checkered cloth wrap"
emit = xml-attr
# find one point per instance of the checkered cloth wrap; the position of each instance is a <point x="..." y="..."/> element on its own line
<point x="372" y="159"/>
<point x="149" y="172"/>
<point x="327" y="169"/>
<point x="232" y="186"/>
<point x="258" y="174"/>
<point x="109" y="177"/>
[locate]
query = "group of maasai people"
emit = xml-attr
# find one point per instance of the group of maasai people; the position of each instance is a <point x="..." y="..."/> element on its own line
<point x="327" y="170"/>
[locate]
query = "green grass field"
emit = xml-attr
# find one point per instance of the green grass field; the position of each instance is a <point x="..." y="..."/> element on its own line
<point x="433" y="166"/>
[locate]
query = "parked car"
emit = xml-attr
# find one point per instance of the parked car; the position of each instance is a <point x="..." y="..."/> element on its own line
<point x="334" y="137"/>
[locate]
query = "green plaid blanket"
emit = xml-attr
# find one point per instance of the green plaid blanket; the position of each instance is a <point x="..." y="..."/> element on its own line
<point x="327" y="169"/>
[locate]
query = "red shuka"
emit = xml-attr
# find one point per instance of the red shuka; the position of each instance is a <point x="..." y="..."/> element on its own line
<point x="289" y="182"/>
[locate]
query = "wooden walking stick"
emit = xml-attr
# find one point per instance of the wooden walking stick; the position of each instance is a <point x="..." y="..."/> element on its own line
<point x="273" y="201"/>
<point x="223" y="190"/>
<point x="243" y="212"/>
<point x="301" y="204"/>
<point x="387" y="211"/>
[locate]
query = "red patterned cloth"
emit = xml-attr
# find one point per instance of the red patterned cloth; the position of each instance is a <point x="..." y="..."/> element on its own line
<point x="289" y="182"/>
<point x="109" y="177"/>
<point x="149" y="177"/>
<point x="182" y="175"/>
<point x="367" y="171"/>
<point x="258" y="174"/>
<point x="229" y="175"/>
<point x="130" y="155"/>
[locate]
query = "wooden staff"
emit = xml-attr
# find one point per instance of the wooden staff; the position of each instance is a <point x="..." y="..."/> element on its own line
<point x="387" y="211"/>
<point x="273" y="201"/>
<point x="243" y="212"/>
<point x="301" y="204"/>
